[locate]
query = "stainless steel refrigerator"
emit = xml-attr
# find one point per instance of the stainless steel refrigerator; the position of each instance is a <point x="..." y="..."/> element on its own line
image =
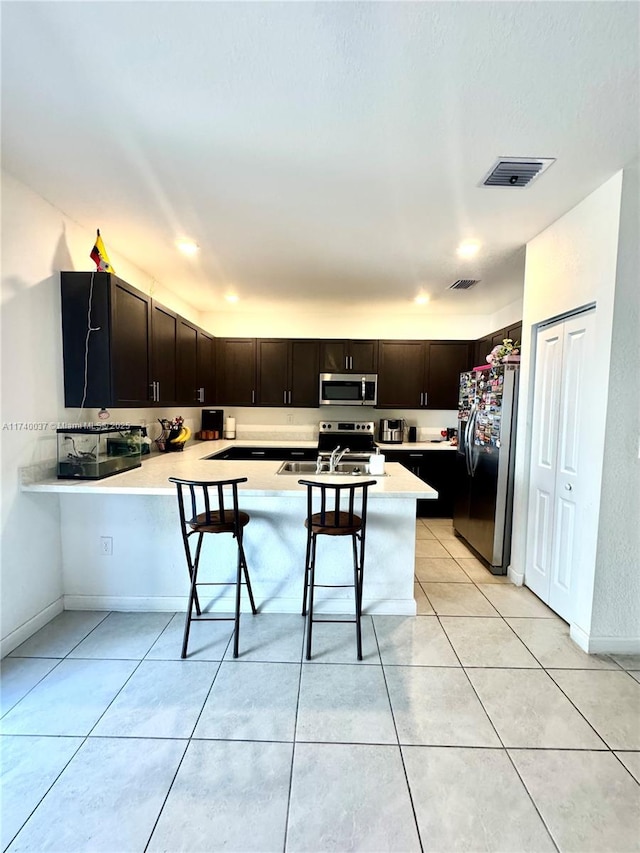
<point x="483" y="507"/>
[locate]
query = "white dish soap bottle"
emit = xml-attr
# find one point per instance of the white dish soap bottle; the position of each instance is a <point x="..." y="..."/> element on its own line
<point x="376" y="463"/>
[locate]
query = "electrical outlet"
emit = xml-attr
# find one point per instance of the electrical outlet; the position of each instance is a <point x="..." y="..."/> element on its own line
<point x="106" y="546"/>
<point x="289" y="419"/>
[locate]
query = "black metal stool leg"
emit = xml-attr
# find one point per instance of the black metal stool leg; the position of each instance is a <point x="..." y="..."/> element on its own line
<point x="245" y="570"/>
<point x="312" y="580"/>
<point x="192" y="597"/>
<point x="357" y="595"/>
<point x="306" y="574"/>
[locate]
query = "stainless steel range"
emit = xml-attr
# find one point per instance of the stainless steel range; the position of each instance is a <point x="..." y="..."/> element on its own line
<point x="355" y="435"/>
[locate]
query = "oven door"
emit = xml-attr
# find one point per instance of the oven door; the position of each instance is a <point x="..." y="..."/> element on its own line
<point x="348" y="389"/>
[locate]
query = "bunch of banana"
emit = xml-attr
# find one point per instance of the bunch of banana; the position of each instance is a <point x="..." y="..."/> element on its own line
<point x="183" y="436"/>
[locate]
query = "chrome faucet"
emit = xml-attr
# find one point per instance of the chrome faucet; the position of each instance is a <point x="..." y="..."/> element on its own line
<point x="336" y="456"/>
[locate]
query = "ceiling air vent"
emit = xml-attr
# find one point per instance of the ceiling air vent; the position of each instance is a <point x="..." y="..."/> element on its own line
<point x="463" y="284"/>
<point x="517" y="172"/>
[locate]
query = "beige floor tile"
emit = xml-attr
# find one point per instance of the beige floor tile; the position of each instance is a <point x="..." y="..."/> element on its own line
<point x="478" y="572"/>
<point x="634" y="674"/>
<point x="457" y="548"/>
<point x="430" y="548"/>
<point x="415" y="640"/>
<point x="587" y="799"/>
<point x="437" y="707"/>
<point x="510" y="600"/>
<point x="440" y="569"/>
<point x="458" y="599"/>
<point x="549" y="641"/>
<point x="631" y="761"/>
<point x="628" y="661"/>
<point x="486" y="642"/>
<point x="609" y="700"/>
<point x="454" y="793"/>
<point x="529" y="710"/>
<point x="444" y="534"/>
<point x="423" y="532"/>
<point x="423" y="605"/>
<point x="438" y="522"/>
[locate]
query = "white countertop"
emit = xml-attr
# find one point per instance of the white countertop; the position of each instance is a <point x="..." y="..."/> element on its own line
<point x="417" y="445"/>
<point x="192" y="464"/>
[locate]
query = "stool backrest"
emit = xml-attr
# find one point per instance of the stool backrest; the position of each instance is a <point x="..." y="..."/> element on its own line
<point x="211" y="496"/>
<point x="338" y="503"/>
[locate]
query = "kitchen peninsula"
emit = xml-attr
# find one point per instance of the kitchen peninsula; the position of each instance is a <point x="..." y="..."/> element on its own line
<point x="137" y="510"/>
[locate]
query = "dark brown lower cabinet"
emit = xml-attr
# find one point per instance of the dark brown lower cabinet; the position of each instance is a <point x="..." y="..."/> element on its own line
<point x="435" y="467"/>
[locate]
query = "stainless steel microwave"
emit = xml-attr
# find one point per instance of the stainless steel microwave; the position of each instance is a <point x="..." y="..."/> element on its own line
<point x="348" y="389"/>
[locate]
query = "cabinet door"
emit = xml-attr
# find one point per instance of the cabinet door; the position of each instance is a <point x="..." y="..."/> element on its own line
<point x="187" y="363"/>
<point x="446" y="360"/>
<point x="164" y="333"/>
<point x="497" y="338"/>
<point x="401" y="374"/>
<point x="515" y="332"/>
<point x="333" y="357"/>
<point x="236" y="371"/>
<point x="481" y="350"/>
<point x="305" y="373"/>
<point x="273" y="372"/>
<point x="363" y="356"/>
<point x="130" y="346"/>
<point x="437" y="469"/>
<point x="205" y="356"/>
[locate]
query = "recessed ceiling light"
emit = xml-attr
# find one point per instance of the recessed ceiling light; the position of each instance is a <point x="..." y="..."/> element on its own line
<point x="421" y="299"/>
<point x="468" y="249"/>
<point x="187" y="247"/>
<point x="231" y="297"/>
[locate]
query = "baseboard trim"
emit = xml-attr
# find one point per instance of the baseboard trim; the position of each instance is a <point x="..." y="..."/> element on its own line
<point x="15" y="638"/>
<point x="164" y="604"/>
<point x="604" y="645"/>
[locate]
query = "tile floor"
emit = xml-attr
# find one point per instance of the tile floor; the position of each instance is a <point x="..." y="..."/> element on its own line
<point x="477" y="725"/>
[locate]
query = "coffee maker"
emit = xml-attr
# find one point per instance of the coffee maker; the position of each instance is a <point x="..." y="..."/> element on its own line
<point x="391" y="431"/>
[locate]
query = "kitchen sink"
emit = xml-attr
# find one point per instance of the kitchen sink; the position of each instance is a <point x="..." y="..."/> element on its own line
<point x="353" y="469"/>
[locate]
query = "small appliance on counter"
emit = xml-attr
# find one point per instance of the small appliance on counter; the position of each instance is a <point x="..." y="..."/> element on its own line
<point x="391" y="431"/>
<point x="412" y="434"/>
<point x="95" y="452"/>
<point x="230" y="428"/>
<point x="211" y="424"/>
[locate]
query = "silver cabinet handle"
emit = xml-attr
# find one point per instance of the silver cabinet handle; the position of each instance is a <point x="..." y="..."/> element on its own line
<point x="289" y="397"/>
<point x="258" y="452"/>
<point x="253" y="396"/>
<point x="202" y="395"/>
<point x="152" y="385"/>
<point x="421" y="397"/>
<point x="426" y="396"/>
<point x="284" y="397"/>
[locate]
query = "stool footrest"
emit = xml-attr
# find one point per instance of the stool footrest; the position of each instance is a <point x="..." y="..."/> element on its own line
<point x="338" y="621"/>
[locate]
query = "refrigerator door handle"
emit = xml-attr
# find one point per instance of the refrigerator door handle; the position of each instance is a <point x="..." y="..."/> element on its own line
<point x="467" y="439"/>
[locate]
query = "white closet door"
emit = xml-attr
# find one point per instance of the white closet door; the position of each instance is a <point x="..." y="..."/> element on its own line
<point x="558" y="499"/>
<point x="544" y="455"/>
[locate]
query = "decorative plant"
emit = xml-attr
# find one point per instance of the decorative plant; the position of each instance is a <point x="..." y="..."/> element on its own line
<point x="507" y="347"/>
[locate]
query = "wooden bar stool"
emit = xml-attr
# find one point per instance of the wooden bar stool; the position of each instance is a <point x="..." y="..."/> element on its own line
<point x="337" y="517"/>
<point x="216" y="518"/>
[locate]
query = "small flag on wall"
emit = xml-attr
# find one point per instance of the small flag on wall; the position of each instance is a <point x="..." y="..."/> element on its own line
<point x="99" y="255"/>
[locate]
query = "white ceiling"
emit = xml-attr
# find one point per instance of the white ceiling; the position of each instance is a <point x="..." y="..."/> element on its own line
<point x="318" y="151"/>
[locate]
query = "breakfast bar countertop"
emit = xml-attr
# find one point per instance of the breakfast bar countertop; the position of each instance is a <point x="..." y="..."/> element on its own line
<point x="152" y="478"/>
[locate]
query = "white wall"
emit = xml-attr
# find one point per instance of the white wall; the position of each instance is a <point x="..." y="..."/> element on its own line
<point x="616" y="603"/>
<point x="37" y="242"/>
<point x="571" y="264"/>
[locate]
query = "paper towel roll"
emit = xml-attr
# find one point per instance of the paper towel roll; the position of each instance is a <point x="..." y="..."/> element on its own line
<point x="230" y="428"/>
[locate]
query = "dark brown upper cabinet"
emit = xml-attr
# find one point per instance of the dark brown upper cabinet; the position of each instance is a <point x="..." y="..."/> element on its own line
<point x="187" y="363"/>
<point x="206" y="368"/>
<point x="236" y="371"/>
<point x="288" y="373"/>
<point x="421" y="374"/>
<point x="401" y="374"/>
<point x="348" y="356"/>
<point x="446" y="360"/>
<point x="106" y="329"/>
<point x="164" y="336"/>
